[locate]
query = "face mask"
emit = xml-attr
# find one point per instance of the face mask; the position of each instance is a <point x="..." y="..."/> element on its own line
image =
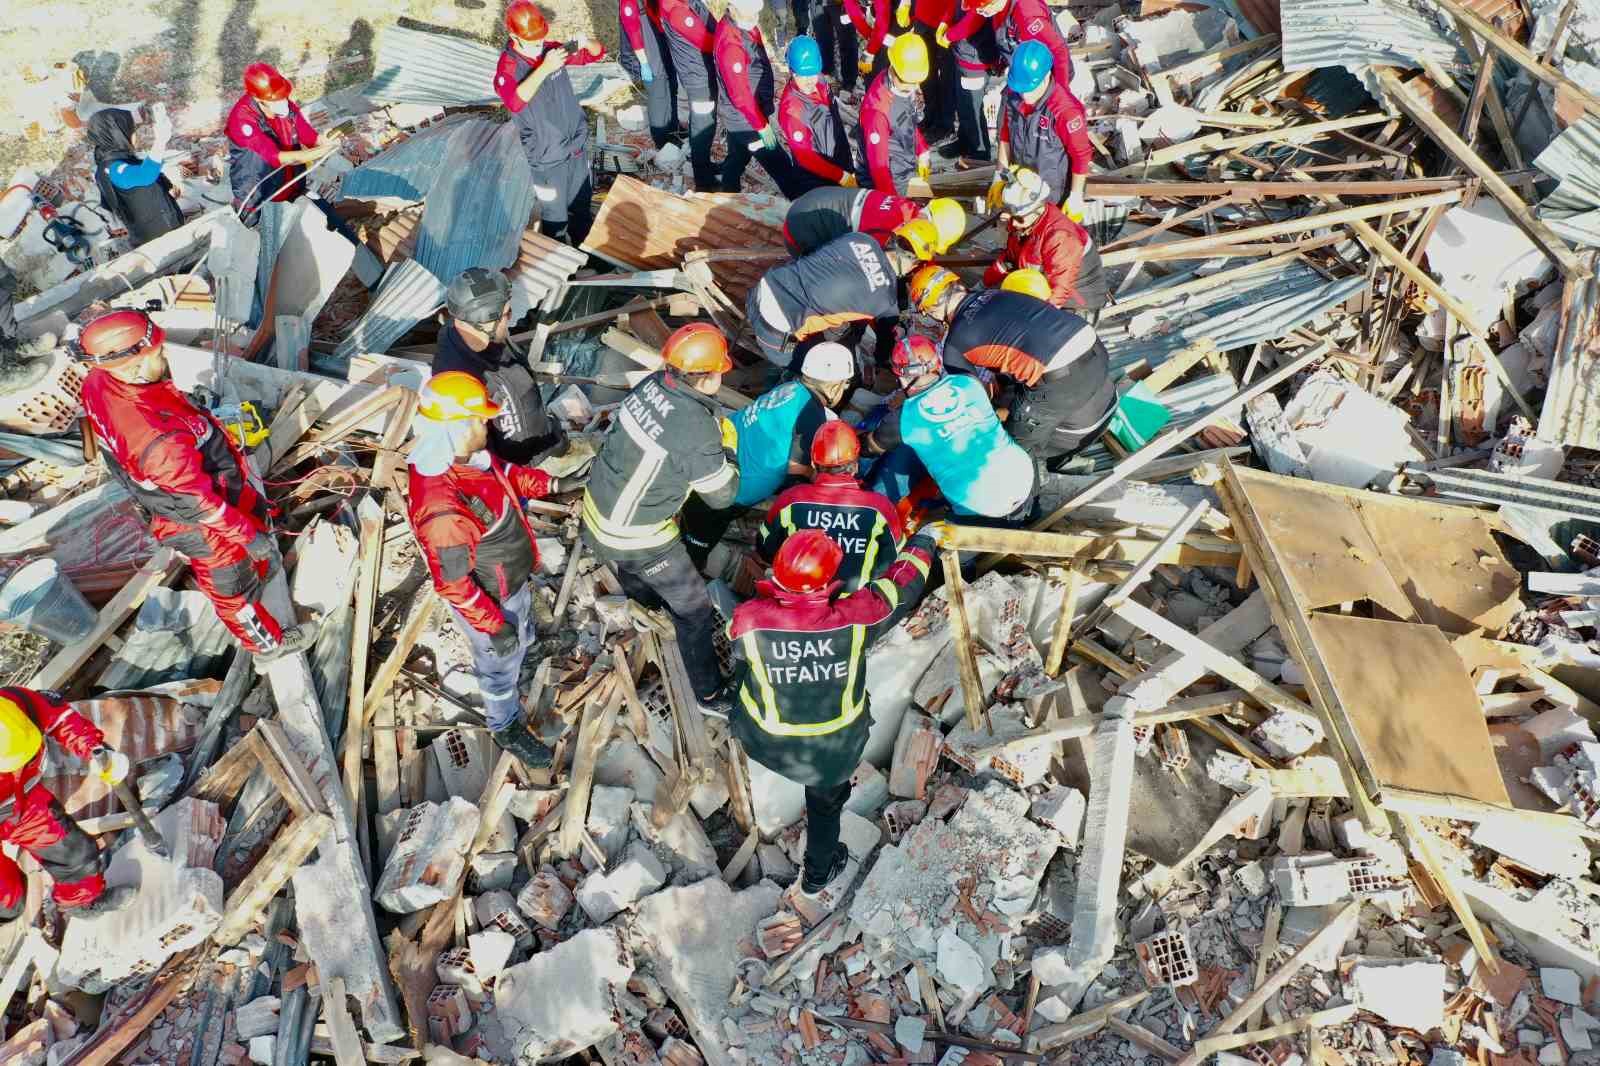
<point x="279" y="108"/>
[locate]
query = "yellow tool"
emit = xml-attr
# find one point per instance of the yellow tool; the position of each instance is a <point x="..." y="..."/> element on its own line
<point x="243" y="423"/>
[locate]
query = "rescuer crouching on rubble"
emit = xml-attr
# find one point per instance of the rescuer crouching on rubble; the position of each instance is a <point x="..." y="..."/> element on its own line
<point x="465" y="507"/>
<point x="800" y="705"/>
<point x="35" y="821"/>
<point x="187" y="476"/>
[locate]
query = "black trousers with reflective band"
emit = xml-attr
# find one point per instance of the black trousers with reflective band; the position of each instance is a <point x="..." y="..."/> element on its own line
<point x="823" y="809"/>
<point x="669" y="580"/>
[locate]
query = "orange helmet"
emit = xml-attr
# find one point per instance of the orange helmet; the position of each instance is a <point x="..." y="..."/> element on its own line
<point x="914" y="355"/>
<point x="928" y="283"/>
<point x="835" y="445"/>
<point x="526" y="22"/>
<point x="807" y="561"/>
<point x="698" y="348"/>
<point x="263" y="82"/>
<point x="120" y="335"/>
<point x="455" y="396"/>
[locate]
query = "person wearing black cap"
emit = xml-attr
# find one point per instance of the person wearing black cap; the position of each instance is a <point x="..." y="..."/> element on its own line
<point x="474" y="340"/>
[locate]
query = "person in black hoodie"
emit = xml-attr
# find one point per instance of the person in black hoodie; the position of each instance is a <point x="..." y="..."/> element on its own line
<point x="132" y="187"/>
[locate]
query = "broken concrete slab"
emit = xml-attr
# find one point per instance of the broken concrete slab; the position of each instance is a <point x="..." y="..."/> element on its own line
<point x="606" y="893"/>
<point x="1561" y="985"/>
<point x="429" y="856"/>
<point x="590" y="970"/>
<point x="1404" y="992"/>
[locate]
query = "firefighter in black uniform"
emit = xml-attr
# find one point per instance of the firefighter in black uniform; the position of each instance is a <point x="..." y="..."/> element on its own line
<point x="474" y="341"/>
<point x="667" y="441"/>
<point x="851" y="280"/>
<point x="800" y="706"/>
<point x="865" y="524"/>
<point x="1063" y="396"/>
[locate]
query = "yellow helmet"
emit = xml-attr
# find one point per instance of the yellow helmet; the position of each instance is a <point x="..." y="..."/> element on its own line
<point x="949" y="219"/>
<point x="19" y="736"/>
<point x="921" y="235"/>
<point x="1029" y="281"/>
<point x="455" y="396"/>
<point x="908" y="57"/>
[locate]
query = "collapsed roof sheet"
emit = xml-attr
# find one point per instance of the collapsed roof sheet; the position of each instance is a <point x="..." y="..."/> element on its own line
<point x="1573" y="209"/>
<point x="417" y="67"/>
<point x="478" y="208"/>
<point x="1360" y="33"/>
<point x="1571" y="413"/>
<point x="407" y="170"/>
<point x="407" y="294"/>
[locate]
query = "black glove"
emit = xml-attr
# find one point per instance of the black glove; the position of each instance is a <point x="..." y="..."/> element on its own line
<point x="503" y="641"/>
<point x="262" y="549"/>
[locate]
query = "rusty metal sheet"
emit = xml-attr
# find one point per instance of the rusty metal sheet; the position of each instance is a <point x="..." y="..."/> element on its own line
<point x="1571" y="412"/>
<point x="652" y="229"/>
<point x="141" y="727"/>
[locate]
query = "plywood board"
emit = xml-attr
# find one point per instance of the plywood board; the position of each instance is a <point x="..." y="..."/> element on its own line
<point x="1446" y="562"/>
<point x="1412" y="707"/>
<point x="1323" y="545"/>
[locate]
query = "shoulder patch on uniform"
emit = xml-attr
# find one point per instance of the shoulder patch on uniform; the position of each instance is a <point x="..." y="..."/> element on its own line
<point x="627" y="11"/>
<point x="248" y="130"/>
<point x="1075" y="124"/>
<point x="799" y="135"/>
<point x="500" y="80"/>
<point x="738" y="67"/>
<point x="688" y="20"/>
<point x="1036" y="25"/>
<point x="873" y="137"/>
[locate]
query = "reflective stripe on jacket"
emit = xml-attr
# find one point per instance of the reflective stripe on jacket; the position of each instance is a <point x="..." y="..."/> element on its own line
<point x="863" y="523"/>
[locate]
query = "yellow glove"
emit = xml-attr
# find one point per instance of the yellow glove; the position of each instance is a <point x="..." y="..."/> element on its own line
<point x="109" y="765"/>
<point x="847" y="180"/>
<point x="937" y="529"/>
<point x="991" y="199"/>
<point x="902" y="14"/>
<point x="941" y="35"/>
<point x="1073" y="207"/>
<point x="924" y="167"/>
<point x="864" y="64"/>
<point x="730" y="435"/>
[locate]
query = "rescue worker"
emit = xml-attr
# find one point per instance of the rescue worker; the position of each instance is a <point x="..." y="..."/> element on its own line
<point x="974" y="53"/>
<point x="1043" y="129"/>
<point x="474" y="340"/>
<point x="773" y="438"/>
<point x="946" y="428"/>
<point x="746" y="100"/>
<point x="865" y="525"/>
<point x="1063" y="396"/>
<point x="802" y="709"/>
<point x="35" y="820"/>
<point x="1013" y="22"/>
<point x="665" y="442"/>
<point x="873" y="31"/>
<point x="691" y="32"/>
<point x="923" y="18"/>
<point x="832" y="211"/>
<point x="131" y="186"/>
<point x="812" y="127"/>
<point x="465" y="507"/>
<point x="645" y="57"/>
<point x="270" y="142"/>
<point x="187" y="475"/>
<point x="892" y="148"/>
<point x="848" y="281"/>
<point x="531" y="80"/>
<point x="1041" y="236"/>
<point x="835" y="31"/>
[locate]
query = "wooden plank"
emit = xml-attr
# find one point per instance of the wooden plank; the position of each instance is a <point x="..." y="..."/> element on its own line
<point x="966" y="656"/>
<point x="599" y="718"/>
<point x="1425" y="850"/>
<point x="62" y="669"/>
<point x="1212" y="142"/>
<point x="386" y="757"/>
<point x="1104" y="187"/>
<point x="288" y="850"/>
<point x="116" y="1034"/>
<point x="1465" y="809"/>
<point x="1342" y="923"/>
<point x="1315" y="1020"/>
<point x="569" y="579"/>
<point x="346" y="1042"/>
<point x="1521" y="56"/>
<point x="742" y="857"/>
<point x="1197" y="549"/>
<point x="1143" y="1037"/>
<point x="1269" y="948"/>
<point x="391" y="446"/>
<point x="421" y="610"/>
<point x="300" y="788"/>
<point x="369" y="562"/>
<point x="322" y="1044"/>
<point x="1146" y="566"/>
<point x="1063" y="629"/>
<point x="1418" y="110"/>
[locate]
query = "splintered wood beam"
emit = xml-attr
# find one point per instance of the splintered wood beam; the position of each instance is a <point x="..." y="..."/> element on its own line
<point x="421" y="610"/>
<point x="966" y="655"/>
<point x="1512" y="50"/>
<point x="1425" y="850"/>
<point x="599" y="718"/>
<point x="1197" y="549"/>
<point x="369" y="561"/>
<point x="272" y="871"/>
<point x="1063" y="629"/>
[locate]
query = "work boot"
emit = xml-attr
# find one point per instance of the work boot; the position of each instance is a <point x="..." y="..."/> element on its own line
<point x="519" y="740"/>
<point x="293" y="641"/>
<point x="109" y="901"/>
<point x="719" y="704"/>
<point x="815" y="903"/>
<point x="651" y="619"/>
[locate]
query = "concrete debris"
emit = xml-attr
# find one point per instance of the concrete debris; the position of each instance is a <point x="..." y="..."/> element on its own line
<point x="590" y="970"/>
<point x="606" y="893"/>
<point x="1563" y="986"/>
<point x="429" y="857"/>
<point x="1404" y="992"/>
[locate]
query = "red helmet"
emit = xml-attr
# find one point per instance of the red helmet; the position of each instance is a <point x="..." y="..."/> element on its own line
<point x="835" y="445"/>
<point x="807" y="561"/>
<point x="120" y="335"/>
<point x="914" y="355"/>
<point x="263" y="82"/>
<point x="698" y="348"/>
<point x="526" y="22"/>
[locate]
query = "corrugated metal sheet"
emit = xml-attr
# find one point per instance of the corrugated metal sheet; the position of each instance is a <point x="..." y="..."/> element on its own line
<point x="1186" y="403"/>
<point x="407" y="294"/>
<point x="478" y="209"/>
<point x="1573" y="209"/>
<point x="542" y="268"/>
<point x="1360" y="33"/>
<point x="175" y="636"/>
<point x="653" y="229"/>
<point x="417" y="67"/>
<point x="406" y="171"/>
<point x="141" y="727"/>
<point x="1571" y="413"/>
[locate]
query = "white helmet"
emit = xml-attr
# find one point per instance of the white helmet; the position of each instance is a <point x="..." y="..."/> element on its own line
<point x="747" y="7"/>
<point x="829" y="361"/>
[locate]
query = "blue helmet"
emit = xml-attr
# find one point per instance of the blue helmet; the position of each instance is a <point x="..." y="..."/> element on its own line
<point x="804" y="57"/>
<point x="1030" y="65"/>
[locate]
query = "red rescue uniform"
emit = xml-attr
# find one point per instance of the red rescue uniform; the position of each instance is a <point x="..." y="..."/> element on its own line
<point x="890" y="141"/>
<point x="1018" y="21"/>
<point x="1064" y="252"/>
<point x="814" y="131"/>
<point x="863" y="523"/>
<point x="256" y="137"/>
<point x="1051" y="138"/>
<point x="35" y="820"/>
<point x="873" y="29"/>
<point x="184" y="470"/>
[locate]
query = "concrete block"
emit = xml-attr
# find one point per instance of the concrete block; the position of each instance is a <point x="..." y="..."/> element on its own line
<point x="608" y="818"/>
<point x="676" y="1052"/>
<point x="1404" y="992"/>
<point x="263" y="1049"/>
<point x="682" y="842"/>
<point x="779" y="933"/>
<point x="1023" y="767"/>
<point x="589" y="970"/>
<point x="455" y="967"/>
<point x="623" y="763"/>
<point x="1094" y="912"/>
<point x="464" y="760"/>
<point x="545" y="899"/>
<point x="492" y="870"/>
<point x="1561" y="985"/>
<point x="916" y="753"/>
<point x="606" y="893"/>
<point x="869" y="791"/>
<point x="1289" y="734"/>
<point x="775" y="865"/>
<point x="498" y="910"/>
<point x="448" y="1013"/>
<point x="1311" y="880"/>
<point x="1062" y="809"/>
<point x="960" y="965"/>
<point x="908" y="1032"/>
<point x="256" y="1018"/>
<point x="429" y="856"/>
<point x="1300" y="924"/>
<point x="490" y="951"/>
<point x="1559" y="728"/>
<point x="1538" y="846"/>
